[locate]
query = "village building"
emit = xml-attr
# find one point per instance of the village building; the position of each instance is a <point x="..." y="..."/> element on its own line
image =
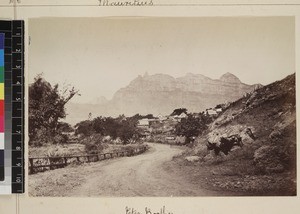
<point x="143" y="123"/>
<point x="179" y="117"/>
<point x="211" y="112"/>
<point x="161" y="117"/>
<point x="218" y="110"/>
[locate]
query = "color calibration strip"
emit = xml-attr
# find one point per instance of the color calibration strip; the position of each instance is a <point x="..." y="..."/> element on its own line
<point x="2" y="38"/>
<point x="13" y="122"/>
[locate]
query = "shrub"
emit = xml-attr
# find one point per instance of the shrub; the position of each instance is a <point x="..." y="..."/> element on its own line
<point x="43" y="137"/>
<point x="93" y="144"/>
<point x="60" y="139"/>
<point x="271" y="158"/>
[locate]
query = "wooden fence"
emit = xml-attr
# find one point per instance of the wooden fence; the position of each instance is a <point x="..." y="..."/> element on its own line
<point x="40" y="164"/>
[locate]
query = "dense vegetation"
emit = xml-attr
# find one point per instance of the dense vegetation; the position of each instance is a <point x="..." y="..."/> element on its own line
<point x="46" y="109"/>
<point x="121" y="127"/>
<point x="192" y="126"/>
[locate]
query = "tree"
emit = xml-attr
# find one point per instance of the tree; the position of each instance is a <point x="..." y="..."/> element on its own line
<point x="111" y="127"/>
<point x="64" y="127"/>
<point x="127" y="131"/>
<point x="84" y="128"/>
<point x="46" y="106"/>
<point x="98" y="125"/>
<point x="149" y="116"/>
<point x="191" y="126"/>
<point x="179" y="111"/>
<point x="120" y="127"/>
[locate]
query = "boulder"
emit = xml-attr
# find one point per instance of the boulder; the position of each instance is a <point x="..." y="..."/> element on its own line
<point x="192" y="158"/>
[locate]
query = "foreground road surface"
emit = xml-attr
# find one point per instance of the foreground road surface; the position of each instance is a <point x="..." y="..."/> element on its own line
<point x="141" y="175"/>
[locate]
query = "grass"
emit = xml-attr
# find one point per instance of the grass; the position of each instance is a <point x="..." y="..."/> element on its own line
<point x="235" y="177"/>
<point x="59" y="149"/>
<point x="75" y="149"/>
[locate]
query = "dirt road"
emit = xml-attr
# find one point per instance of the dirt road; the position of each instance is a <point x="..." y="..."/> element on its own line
<point x="141" y="175"/>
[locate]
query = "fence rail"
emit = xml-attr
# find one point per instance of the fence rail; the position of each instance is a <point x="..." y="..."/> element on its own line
<point x="40" y="164"/>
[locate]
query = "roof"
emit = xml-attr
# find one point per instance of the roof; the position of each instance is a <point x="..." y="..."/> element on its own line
<point x="143" y="122"/>
<point x="211" y="112"/>
<point x="219" y="110"/>
<point x="182" y="115"/>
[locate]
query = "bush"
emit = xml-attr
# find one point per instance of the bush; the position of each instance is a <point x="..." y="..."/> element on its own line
<point x="44" y="137"/>
<point x="56" y="152"/>
<point x="93" y="144"/>
<point x="271" y="158"/>
<point x="60" y="139"/>
<point x="130" y="148"/>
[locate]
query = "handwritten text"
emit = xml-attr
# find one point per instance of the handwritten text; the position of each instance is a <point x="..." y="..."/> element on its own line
<point x="126" y="3"/>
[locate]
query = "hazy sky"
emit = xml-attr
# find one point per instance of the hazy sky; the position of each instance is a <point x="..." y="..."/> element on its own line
<point x="100" y="55"/>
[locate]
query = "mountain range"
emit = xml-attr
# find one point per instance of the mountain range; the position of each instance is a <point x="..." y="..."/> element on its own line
<point x="162" y="93"/>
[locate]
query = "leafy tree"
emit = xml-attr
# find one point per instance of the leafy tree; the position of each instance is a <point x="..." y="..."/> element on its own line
<point x="149" y="116"/>
<point x="127" y="130"/>
<point x="192" y="126"/>
<point x="179" y="111"/>
<point x="46" y="107"/>
<point x="84" y="128"/>
<point x="64" y="127"/>
<point x="120" y="127"/>
<point x="98" y="125"/>
<point x="111" y="127"/>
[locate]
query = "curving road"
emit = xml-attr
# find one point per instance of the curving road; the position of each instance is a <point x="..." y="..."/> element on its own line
<point x="142" y="175"/>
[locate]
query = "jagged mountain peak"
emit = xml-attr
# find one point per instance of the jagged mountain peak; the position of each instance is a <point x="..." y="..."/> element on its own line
<point x="159" y="77"/>
<point x="229" y="77"/>
<point x="197" y="76"/>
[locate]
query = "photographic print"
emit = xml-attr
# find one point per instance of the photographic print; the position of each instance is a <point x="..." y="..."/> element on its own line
<point x="166" y="107"/>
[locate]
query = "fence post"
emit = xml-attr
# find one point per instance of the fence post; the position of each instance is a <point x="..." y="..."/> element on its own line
<point x="50" y="161"/>
<point x="31" y="166"/>
<point x="66" y="161"/>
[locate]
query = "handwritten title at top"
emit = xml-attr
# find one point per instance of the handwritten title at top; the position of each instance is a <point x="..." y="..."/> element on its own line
<point x="126" y="3"/>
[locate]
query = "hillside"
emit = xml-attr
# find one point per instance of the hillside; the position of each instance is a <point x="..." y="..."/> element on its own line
<point x="267" y="161"/>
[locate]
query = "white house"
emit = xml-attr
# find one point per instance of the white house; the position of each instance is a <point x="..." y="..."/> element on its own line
<point x="143" y="123"/>
<point x="218" y="110"/>
<point x="211" y="112"/>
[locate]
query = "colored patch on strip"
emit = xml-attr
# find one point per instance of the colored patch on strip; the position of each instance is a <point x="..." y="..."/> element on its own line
<point x="2" y="37"/>
<point x="1" y="107"/>
<point x="1" y="91"/>
<point x="1" y="140"/>
<point x="1" y="157"/>
<point x="2" y="123"/>
<point x="1" y="57"/>
<point x="1" y="74"/>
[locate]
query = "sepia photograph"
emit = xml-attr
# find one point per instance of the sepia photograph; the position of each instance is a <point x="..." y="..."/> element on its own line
<point x="161" y="107"/>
